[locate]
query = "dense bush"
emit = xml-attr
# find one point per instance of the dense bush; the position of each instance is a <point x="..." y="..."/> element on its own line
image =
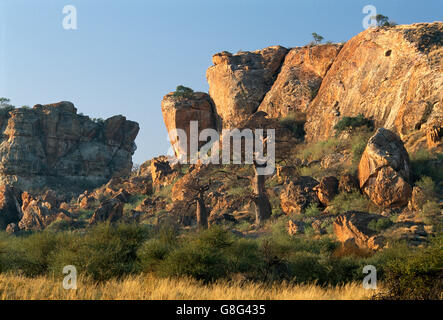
<point x="380" y="224"/>
<point x="107" y="251"/>
<point x="352" y="123"/>
<point x="417" y="275"/>
<point x="350" y="201"/>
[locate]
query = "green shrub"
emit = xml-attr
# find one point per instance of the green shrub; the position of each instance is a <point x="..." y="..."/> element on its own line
<point x="313" y="210"/>
<point x="417" y="275"/>
<point x="104" y="252"/>
<point x="350" y="201"/>
<point x="428" y="188"/>
<point x="202" y="258"/>
<point x="352" y="123"/>
<point x="430" y="212"/>
<point x="381" y="224"/>
<point x="182" y="91"/>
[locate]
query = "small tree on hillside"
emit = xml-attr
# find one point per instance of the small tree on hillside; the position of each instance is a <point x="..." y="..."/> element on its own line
<point x="383" y="21"/>
<point x="317" y="38"/>
<point x="182" y="91"/>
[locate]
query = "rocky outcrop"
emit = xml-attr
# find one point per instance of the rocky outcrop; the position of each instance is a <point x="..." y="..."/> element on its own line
<point x="384" y="170"/>
<point x="110" y="210"/>
<point x="52" y="145"/>
<point x="300" y="78"/>
<point x="239" y="82"/>
<point x="434" y="136"/>
<point x="326" y="189"/>
<point x="295" y="227"/>
<point x="298" y="195"/>
<point x="10" y="211"/>
<point x="348" y="183"/>
<point x="392" y="75"/>
<point x="161" y="171"/>
<point x="178" y="112"/>
<point x="353" y="227"/>
<point x="39" y="212"/>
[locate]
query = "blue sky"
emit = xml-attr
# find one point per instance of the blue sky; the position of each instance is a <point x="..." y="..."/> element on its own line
<point x="126" y="55"/>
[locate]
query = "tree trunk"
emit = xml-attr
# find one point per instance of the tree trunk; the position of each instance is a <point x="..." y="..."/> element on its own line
<point x="263" y="209"/>
<point x="202" y="214"/>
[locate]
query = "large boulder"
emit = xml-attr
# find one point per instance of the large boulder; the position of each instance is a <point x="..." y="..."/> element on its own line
<point x="352" y="227"/>
<point x="327" y="189"/>
<point x="300" y="78"/>
<point x="10" y="211"/>
<point x="239" y="82"/>
<point x="161" y="171"/>
<point x="392" y="75"/>
<point x="298" y="195"/>
<point x="53" y="146"/>
<point x="179" y="111"/>
<point x="384" y="170"/>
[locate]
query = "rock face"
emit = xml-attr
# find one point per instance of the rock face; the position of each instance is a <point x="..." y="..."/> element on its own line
<point x="161" y="171"/>
<point x="10" y="211"/>
<point x="51" y="145"/>
<point x="40" y="212"/>
<point x="110" y="210"/>
<point x="353" y="227"/>
<point x="327" y="189"/>
<point x="393" y="75"/>
<point x="298" y="195"/>
<point x="299" y="79"/>
<point x="238" y="83"/>
<point x="384" y="170"/>
<point x="348" y="183"/>
<point x="178" y="112"/>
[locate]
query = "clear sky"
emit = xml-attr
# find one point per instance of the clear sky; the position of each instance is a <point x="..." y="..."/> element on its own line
<point x="127" y="54"/>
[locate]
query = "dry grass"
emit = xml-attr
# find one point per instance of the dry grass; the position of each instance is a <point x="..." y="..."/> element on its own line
<point x="147" y="287"/>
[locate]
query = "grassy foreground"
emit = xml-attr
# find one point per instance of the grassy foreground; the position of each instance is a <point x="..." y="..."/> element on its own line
<point x="148" y="287"/>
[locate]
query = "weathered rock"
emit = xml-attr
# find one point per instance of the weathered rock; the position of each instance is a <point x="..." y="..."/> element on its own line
<point x="53" y="146"/>
<point x="37" y="214"/>
<point x="348" y="183"/>
<point x="418" y="199"/>
<point x="110" y="210"/>
<point x="353" y="226"/>
<point x="298" y="195"/>
<point x="299" y="79"/>
<point x="12" y="228"/>
<point x="86" y="200"/>
<point x="393" y="75"/>
<point x="434" y="136"/>
<point x="238" y="83"/>
<point x="295" y="227"/>
<point x="50" y="197"/>
<point x="161" y="171"/>
<point x="10" y="211"/>
<point x="327" y="189"/>
<point x="178" y="112"/>
<point x="384" y="170"/>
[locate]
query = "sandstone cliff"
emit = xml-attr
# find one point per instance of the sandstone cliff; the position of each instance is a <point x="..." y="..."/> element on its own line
<point x="178" y="112"/>
<point x="390" y="74"/>
<point x="393" y="75"/>
<point x="238" y="83"/>
<point x="53" y="146"/>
